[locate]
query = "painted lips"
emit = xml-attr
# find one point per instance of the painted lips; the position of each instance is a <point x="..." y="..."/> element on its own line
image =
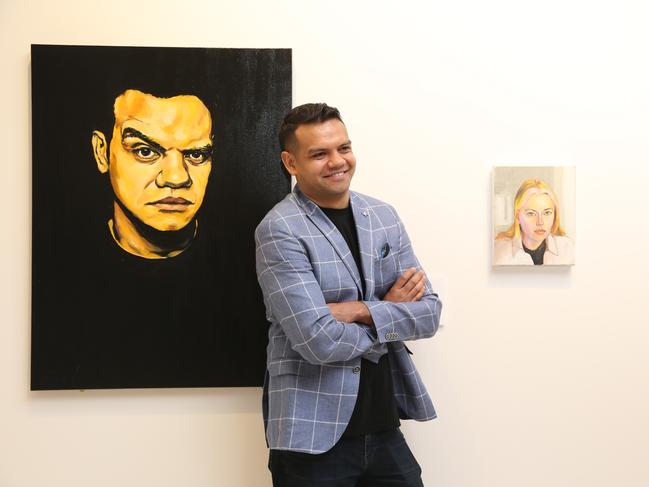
<point x="171" y="204"/>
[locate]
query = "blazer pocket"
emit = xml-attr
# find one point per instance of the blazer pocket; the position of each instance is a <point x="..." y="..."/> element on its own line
<point x="385" y="267"/>
<point x="292" y="367"/>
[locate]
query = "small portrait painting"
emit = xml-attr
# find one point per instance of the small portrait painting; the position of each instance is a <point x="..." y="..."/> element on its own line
<point x="534" y="216"/>
<point x="151" y="170"/>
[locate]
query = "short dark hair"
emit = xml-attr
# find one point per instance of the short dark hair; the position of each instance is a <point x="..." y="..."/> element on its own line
<point x="304" y="114"/>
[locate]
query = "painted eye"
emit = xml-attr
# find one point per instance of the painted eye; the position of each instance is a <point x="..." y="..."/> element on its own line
<point x="196" y="157"/>
<point x="145" y="154"/>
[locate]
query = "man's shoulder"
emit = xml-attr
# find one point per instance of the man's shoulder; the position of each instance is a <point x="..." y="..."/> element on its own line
<point x="285" y="206"/>
<point x="285" y="210"/>
<point x="290" y="213"/>
<point x="378" y="207"/>
<point x="367" y="200"/>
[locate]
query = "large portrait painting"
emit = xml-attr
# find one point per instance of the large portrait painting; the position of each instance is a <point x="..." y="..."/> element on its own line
<point x="534" y="216"/>
<point x="151" y="169"/>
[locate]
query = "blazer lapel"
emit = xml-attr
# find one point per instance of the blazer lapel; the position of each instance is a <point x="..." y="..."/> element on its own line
<point x="331" y="233"/>
<point x="363" y="220"/>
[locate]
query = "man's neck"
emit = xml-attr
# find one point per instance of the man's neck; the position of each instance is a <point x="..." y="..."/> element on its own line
<point x="336" y="203"/>
<point x="153" y="244"/>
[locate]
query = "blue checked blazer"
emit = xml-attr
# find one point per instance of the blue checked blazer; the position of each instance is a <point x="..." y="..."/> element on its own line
<point x="313" y="360"/>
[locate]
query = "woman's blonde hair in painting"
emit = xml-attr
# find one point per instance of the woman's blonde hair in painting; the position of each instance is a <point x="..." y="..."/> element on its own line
<point x="528" y="188"/>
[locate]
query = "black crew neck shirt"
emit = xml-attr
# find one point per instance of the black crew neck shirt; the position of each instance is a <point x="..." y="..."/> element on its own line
<point x="376" y="408"/>
<point x="151" y="323"/>
<point x="537" y="255"/>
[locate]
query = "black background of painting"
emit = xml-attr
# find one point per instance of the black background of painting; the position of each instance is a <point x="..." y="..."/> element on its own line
<point x="193" y="320"/>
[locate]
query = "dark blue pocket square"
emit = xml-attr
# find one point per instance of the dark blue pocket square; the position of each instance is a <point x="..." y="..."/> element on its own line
<point x="385" y="250"/>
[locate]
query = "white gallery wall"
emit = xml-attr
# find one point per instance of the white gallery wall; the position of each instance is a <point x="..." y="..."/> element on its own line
<point x="540" y="376"/>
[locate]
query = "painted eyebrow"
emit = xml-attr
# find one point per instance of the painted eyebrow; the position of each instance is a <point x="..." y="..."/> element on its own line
<point x="530" y="209"/>
<point x="131" y="132"/>
<point x="204" y="149"/>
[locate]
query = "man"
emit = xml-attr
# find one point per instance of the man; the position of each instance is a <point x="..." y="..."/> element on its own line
<point x="343" y="290"/>
<point x="159" y="165"/>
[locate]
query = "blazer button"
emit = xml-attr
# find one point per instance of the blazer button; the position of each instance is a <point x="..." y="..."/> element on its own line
<point x="356" y="370"/>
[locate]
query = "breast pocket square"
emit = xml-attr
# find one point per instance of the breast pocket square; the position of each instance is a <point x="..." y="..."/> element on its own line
<point x="385" y="250"/>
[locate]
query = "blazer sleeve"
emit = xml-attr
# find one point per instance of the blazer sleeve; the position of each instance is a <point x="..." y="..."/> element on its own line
<point x="410" y="320"/>
<point x="294" y="299"/>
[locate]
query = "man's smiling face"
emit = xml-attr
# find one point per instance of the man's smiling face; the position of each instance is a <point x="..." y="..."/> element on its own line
<point x="160" y="157"/>
<point x="322" y="161"/>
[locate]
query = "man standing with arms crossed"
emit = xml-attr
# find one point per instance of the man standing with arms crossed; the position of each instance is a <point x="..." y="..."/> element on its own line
<point x="343" y="290"/>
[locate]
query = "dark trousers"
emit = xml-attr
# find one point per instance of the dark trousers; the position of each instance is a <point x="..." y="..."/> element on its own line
<point x="376" y="460"/>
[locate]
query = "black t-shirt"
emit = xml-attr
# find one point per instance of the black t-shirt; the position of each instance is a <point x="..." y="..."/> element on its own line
<point x="117" y="320"/>
<point x="537" y="255"/>
<point x="376" y="408"/>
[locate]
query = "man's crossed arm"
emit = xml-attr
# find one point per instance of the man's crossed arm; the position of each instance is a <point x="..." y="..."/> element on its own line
<point x="410" y="286"/>
<point x="326" y="333"/>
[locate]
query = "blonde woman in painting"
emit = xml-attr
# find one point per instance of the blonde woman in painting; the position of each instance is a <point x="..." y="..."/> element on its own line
<point x="536" y="236"/>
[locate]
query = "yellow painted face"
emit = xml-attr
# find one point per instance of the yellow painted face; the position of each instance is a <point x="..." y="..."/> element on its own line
<point x="160" y="157"/>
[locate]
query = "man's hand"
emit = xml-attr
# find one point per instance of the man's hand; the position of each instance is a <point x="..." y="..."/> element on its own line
<point x="351" y="312"/>
<point x="409" y="287"/>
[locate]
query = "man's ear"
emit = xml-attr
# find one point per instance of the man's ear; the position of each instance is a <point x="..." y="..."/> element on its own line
<point x="289" y="162"/>
<point x="100" y="150"/>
